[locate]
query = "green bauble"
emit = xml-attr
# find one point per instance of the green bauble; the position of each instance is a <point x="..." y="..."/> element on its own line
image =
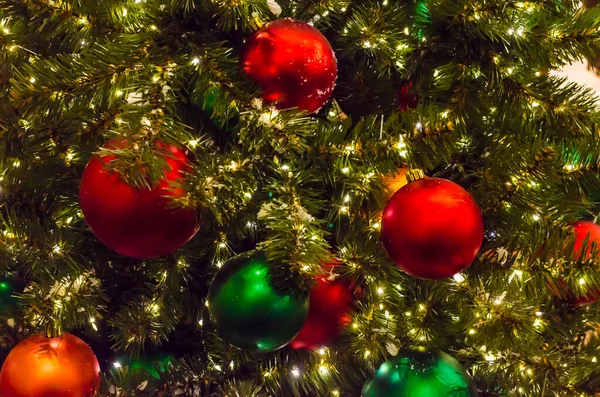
<point x="212" y="104"/>
<point x="8" y="287"/>
<point x="153" y="366"/>
<point x="420" y="374"/>
<point x="248" y="311"/>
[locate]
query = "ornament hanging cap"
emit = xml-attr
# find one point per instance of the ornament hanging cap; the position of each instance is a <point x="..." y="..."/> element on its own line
<point x="415" y="175"/>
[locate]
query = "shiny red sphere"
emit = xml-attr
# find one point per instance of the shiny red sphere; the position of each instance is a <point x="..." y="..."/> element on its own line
<point x="330" y="303"/>
<point x="50" y="367"/>
<point x="583" y="230"/>
<point x="432" y="228"/>
<point x="293" y="63"/>
<point x="140" y="223"/>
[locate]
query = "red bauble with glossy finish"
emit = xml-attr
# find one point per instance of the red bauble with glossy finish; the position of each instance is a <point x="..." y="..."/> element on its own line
<point x="330" y="303"/>
<point x="432" y="228"/>
<point x="140" y="223"/>
<point x="293" y="63"/>
<point x="583" y="230"/>
<point x="50" y="367"/>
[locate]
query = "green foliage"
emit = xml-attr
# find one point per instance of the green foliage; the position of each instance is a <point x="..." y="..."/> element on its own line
<point x="305" y="188"/>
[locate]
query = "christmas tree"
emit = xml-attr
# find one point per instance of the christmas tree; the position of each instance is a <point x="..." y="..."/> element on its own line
<point x="378" y="198"/>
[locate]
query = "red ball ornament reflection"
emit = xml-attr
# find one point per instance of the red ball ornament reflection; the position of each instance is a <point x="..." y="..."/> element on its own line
<point x="432" y="228"/>
<point x="407" y="97"/>
<point x="330" y="303"/>
<point x="293" y="63"/>
<point x="141" y="223"/>
<point x="55" y="367"/>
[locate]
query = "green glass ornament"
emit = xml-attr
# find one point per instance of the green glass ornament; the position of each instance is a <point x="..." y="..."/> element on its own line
<point x="420" y="374"/>
<point x="211" y="100"/>
<point x="154" y="366"/>
<point x="249" y="311"/>
<point x="8" y="287"/>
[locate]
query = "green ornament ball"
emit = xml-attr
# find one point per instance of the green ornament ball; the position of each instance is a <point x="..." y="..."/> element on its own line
<point x="8" y="287"/>
<point x="214" y="104"/>
<point x="420" y="374"/>
<point x="249" y="311"/>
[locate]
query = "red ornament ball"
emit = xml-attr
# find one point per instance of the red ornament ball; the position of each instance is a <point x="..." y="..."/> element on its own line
<point x="407" y="97"/>
<point x="330" y="303"/>
<point x="141" y="223"/>
<point x="293" y="63"/>
<point x="432" y="228"/>
<point x="50" y="367"/>
<point x="582" y="231"/>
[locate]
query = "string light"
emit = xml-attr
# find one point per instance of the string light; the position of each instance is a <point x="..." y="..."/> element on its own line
<point x="93" y="322"/>
<point x="296" y="372"/>
<point x="459" y="278"/>
<point x="117" y="364"/>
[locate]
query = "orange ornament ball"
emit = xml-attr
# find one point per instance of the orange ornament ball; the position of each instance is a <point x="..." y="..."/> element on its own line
<point x="50" y="367"/>
<point x="393" y="182"/>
